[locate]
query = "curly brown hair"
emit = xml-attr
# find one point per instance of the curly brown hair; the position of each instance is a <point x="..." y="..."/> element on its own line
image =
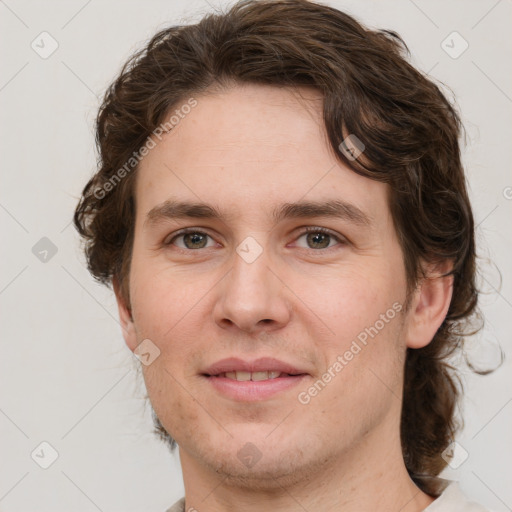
<point x="411" y="135"/>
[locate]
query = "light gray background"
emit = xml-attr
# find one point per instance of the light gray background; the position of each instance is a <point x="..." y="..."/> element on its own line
<point x="66" y="376"/>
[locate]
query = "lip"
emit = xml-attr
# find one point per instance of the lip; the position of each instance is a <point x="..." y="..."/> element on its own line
<point x="233" y="364"/>
<point x="252" y="391"/>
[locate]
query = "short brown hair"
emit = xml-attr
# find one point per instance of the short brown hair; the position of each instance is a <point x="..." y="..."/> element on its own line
<point x="411" y="136"/>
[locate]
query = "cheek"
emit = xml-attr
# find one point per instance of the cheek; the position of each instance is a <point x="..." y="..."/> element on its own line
<point x="169" y="311"/>
<point x="175" y="408"/>
<point x="363" y="310"/>
<point x="350" y="299"/>
<point x="160" y="296"/>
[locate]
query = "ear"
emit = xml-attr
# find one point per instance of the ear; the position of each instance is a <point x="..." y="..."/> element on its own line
<point x="125" y="316"/>
<point x="429" y="305"/>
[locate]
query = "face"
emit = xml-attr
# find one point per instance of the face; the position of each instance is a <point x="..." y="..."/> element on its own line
<point x="279" y="326"/>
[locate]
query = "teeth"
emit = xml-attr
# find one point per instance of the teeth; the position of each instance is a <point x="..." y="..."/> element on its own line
<point x="243" y="376"/>
<point x="259" y="376"/>
<point x="255" y="376"/>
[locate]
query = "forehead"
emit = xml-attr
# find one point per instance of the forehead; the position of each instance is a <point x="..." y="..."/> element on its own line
<point x="250" y="147"/>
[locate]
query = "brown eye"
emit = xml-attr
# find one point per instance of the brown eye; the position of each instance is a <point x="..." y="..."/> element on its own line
<point x="191" y="239"/>
<point x="320" y="238"/>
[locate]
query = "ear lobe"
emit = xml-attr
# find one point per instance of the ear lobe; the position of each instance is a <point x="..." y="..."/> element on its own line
<point x="125" y="317"/>
<point x="429" y="306"/>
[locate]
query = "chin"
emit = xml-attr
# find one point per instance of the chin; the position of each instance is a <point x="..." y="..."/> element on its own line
<point x="275" y="473"/>
<point x="260" y="462"/>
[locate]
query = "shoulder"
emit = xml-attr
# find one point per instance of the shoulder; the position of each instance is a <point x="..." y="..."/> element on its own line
<point x="179" y="506"/>
<point x="452" y="499"/>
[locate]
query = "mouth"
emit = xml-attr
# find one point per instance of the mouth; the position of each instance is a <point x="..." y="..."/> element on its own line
<point x="242" y="376"/>
<point x="249" y="381"/>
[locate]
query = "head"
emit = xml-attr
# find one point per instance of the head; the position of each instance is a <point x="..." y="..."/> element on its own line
<point x="245" y="113"/>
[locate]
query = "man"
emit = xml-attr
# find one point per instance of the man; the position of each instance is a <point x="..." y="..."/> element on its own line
<point x="282" y="211"/>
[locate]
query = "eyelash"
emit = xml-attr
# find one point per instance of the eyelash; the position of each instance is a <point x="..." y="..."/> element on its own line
<point x="309" y="229"/>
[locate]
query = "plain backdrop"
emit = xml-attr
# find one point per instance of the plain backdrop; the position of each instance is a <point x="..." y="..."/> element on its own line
<point x="66" y="377"/>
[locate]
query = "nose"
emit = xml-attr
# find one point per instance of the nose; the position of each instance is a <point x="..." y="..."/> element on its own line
<point x="252" y="297"/>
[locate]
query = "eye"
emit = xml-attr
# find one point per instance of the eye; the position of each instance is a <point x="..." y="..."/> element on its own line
<point x="320" y="238"/>
<point x="192" y="239"/>
<point x="316" y="238"/>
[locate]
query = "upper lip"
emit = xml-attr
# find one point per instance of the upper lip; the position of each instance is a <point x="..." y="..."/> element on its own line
<point x="234" y="364"/>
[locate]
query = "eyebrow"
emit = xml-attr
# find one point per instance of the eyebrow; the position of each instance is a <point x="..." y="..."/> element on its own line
<point x="334" y="208"/>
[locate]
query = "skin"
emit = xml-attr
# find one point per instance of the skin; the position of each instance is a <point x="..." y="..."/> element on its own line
<point x="246" y="150"/>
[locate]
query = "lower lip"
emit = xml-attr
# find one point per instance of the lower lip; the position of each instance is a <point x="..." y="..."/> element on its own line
<point x="252" y="391"/>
